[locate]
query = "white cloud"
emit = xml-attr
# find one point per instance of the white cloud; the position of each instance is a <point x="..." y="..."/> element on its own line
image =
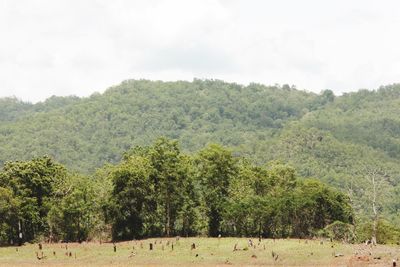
<point x="66" y="47"/>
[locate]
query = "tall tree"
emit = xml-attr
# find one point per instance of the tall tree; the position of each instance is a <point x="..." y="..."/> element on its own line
<point x="9" y="217"/>
<point x="131" y="192"/>
<point x="166" y="162"/>
<point x="376" y="178"/>
<point x="33" y="183"/>
<point x="216" y="169"/>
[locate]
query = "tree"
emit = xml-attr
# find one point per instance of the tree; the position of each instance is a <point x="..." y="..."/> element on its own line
<point x="9" y="217"/>
<point x="216" y="168"/>
<point x="75" y="212"/>
<point x="173" y="203"/>
<point x="376" y="178"/>
<point x="167" y="175"/>
<point x="129" y="199"/>
<point x="189" y="219"/>
<point x="317" y="205"/>
<point x="33" y="184"/>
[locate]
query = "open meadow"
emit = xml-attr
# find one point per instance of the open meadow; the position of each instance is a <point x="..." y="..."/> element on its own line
<point x="207" y="252"/>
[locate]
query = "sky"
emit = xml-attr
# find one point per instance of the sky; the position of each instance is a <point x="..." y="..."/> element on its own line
<point x="75" y="47"/>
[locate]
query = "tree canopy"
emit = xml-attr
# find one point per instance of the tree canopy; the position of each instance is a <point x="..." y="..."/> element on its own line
<point x="335" y="139"/>
<point x="158" y="190"/>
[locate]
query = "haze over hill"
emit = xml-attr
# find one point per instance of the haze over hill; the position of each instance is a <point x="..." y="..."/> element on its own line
<point x="337" y="139"/>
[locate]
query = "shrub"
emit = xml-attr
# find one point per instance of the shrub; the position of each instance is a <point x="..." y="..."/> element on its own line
<point x="340" y="231"/>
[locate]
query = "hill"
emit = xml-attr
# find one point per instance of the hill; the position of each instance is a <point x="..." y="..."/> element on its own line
<point x="84" y="133"/>
<point x="341" y="140"/>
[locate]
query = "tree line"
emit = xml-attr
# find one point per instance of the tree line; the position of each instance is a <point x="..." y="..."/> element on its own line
<point x="157" y="191"/>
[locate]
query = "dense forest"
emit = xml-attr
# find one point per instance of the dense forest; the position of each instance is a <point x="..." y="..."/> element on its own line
<point x="159" y="191"/>
<point x="282" y="143"/>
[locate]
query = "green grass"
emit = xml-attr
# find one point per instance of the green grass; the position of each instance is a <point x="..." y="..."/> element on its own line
<point x="209" y="251"/>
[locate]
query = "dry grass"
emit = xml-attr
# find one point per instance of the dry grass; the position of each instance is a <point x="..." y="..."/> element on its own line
<point x="208" y="252"/>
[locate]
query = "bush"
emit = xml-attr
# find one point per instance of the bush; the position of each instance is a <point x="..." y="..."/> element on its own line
<point x="340" y="231"/>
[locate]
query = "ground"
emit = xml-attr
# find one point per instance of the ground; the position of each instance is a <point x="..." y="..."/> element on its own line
<point x="207" y="252"/>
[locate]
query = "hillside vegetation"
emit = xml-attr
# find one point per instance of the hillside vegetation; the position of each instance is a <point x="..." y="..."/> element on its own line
<point x="344" y="141"/>
<point x="84" y="133"/>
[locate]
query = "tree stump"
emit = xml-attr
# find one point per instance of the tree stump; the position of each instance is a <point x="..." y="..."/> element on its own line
<point x="151" y="246"/>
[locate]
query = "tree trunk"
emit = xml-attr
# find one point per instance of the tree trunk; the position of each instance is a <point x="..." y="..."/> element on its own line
<point x="375" y="220"/>
<point x="168" y="211"/>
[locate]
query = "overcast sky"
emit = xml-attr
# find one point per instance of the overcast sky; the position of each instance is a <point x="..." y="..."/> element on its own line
<point x="57" y="47"/>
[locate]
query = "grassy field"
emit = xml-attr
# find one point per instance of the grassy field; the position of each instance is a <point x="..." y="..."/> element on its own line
<point x="208" y="252"/>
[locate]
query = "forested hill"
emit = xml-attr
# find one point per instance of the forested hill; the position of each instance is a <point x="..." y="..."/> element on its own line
<point x="84" y="133"/>
<point x="338" y="139"/>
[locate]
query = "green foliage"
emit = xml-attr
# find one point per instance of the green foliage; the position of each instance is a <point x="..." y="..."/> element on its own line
<point x="272" y="202"/>
<point x="33" y="184"/>
<point x="158" y="187"/>
<point x="8" y="215"/>
<point x="76" y="210"/>
<point x="387" y="233"/>
<point x="340" y="231"/>
<point x="216" y="168"/>
<point x="319" y="206"/>
<point x="40" y="199"/>
<point x="333" y="138"/>
<point x="159" y="191"/>
<point x="130" y="201"/>
<point x="86" y="133"/>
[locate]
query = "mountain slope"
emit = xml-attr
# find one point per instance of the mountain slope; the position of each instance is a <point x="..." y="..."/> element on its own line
<point x="340" y="140"/>
<point x="85" y="133"/>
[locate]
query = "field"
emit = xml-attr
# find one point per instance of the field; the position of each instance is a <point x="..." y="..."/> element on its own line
<point x="207" y="252"/>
